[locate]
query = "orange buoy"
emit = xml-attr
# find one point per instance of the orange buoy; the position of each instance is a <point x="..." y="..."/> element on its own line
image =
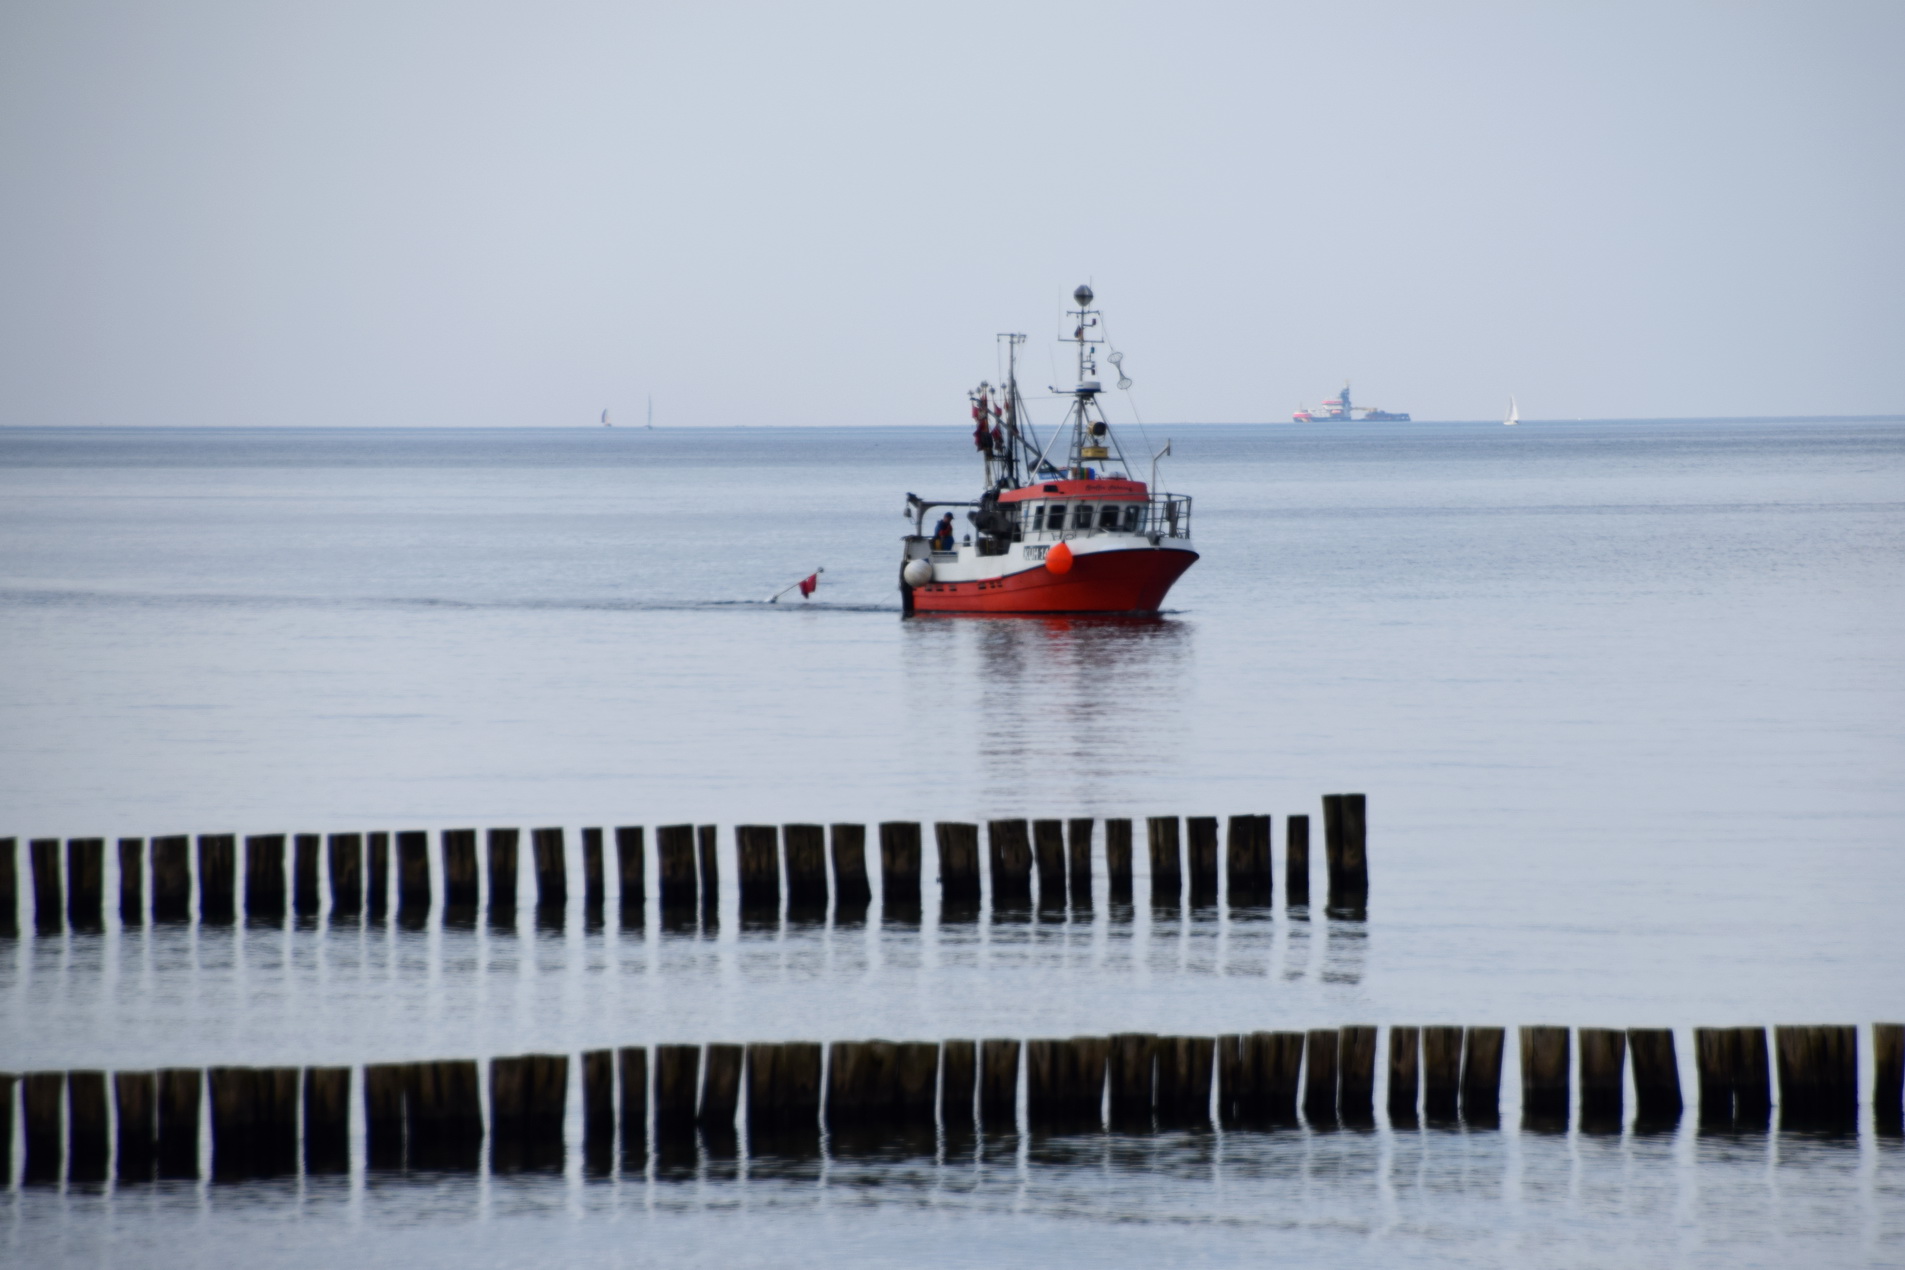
<point x="1059" y="559"/>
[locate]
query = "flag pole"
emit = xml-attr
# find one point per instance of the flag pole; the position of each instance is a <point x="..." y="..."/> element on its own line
<point x="776" y="597"/>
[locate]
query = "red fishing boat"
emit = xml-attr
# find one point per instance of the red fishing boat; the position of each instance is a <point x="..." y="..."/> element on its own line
<point x="1063" y="525"/>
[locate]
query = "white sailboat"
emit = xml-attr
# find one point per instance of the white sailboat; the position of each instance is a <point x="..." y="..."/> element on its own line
<point x="1514" y="414"/>
<point x="605" y="420"/>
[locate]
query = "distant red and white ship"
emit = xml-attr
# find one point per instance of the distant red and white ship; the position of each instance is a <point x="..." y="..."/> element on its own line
<point x="1063" y="526"/>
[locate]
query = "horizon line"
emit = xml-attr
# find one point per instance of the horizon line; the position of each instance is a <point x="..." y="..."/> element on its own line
<point x="911" y="427"/>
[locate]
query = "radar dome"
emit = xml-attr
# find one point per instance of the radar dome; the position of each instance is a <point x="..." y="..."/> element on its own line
<point x="1083" y="296"/>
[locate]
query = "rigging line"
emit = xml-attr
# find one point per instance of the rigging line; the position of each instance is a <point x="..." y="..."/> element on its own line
<point x="1129" y="399"/>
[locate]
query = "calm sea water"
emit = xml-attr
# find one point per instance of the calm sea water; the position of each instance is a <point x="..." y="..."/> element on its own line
<point x="1628" y="701"/>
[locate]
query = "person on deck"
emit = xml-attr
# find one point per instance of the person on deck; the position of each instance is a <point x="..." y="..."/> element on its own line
<point x="943" y="535"/>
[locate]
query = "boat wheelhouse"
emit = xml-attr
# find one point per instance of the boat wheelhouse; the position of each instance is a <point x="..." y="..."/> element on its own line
<point x="1063" y="526"/>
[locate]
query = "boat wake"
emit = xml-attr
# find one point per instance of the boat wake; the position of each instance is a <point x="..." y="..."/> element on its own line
<point x="28" y="596"/>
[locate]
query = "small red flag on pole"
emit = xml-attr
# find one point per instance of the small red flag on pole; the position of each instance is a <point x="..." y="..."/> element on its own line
<point x="807" y="586"/>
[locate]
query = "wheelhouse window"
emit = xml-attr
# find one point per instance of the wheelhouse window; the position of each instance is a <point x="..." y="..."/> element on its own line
<point x="1108" y="517"/>
<point x="1054" y="517"/>
<point x="1133" y="515"/>
<point x="1081" y="517"/>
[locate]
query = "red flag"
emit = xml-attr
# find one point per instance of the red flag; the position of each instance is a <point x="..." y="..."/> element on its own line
<point x="808" y="583"/>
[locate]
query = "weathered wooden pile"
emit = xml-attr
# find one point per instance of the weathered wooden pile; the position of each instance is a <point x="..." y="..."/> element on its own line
<point x="681" y="1101"/>
<point x="818" y="868"/>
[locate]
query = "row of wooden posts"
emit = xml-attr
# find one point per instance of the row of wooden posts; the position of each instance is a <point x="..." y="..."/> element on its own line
<point x="1058" y="852"/>
<point x="887" y="1095"/>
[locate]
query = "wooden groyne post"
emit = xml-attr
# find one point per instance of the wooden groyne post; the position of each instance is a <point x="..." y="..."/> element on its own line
<point x="384" y="1115"/>
<point x="305" y="900"/>
<point x="1545" y="1077"/>
<point x="1247" y="862"/>
<point x="1603" y="1083"/>
<point x="1185" y="1069"/>
<point x="265" y="891"/>
<point x="1735" y="1081"/>
<point x="783" y="1099"/>
<point x="171" y="879"/>
<point x="1065" y="1084"/>
<point x="49" y="907"/>
<point x="461" y="889"/>
<point x="1482" y="1076"/>
<point x="675" y="869"/>
<point x="9" y="905"/>
<point x="1657" y="1102"/>
<point x="42" y="1095"/>
<point x="1296" y="861"/>
<point x="595" y="887"/>
<point x="1345" y="845"/>
<point x="708" y="860"/>
<point x="1167" y="868"/>
<point x="377" y="875"/>
<point x="1118" y="859"/>
<point x="806" y="848"/>
<point x="899" y="870"/>
<point x="132" y="884"/>
<point x="1320" y="1055"/>
<point x="327" y="1120"/>
<point x="254" y="1122"/>
<point x="862" y="1089"/>
<point x="181" y="1094"/>
<point x="88" y="1127"/>
<point x="999" y="1086"/>
<point x="86" y="883"/>
<point x="721" y="1067"/>
<point x="1202" y="855"/>
<point x="345" y="856"/>
<point x="631" y="867"/>
<point x="1010" y="847"/>
<point x="413" y="878"/>
<point x="550" y="856"/>
<point x="1818" y="1076"/>
<point x="632" y="1074"/>
<point x="958" y="847"/>
<point x="959" y="1088"/>
<point x="136" y="1110"/>
<point x="527" y="1098"/>
<point x="1356" y="1076"/>
<point x="1078" y="850"/>
<point x="443" y="1111"/>
<point x="1405" y="1082"/>
<point x="852" y="892"/>
<point x="1441" y="1074"/>
<point x="1132" y="1061"/>
<point x="504" y="867"/>
<point x="677" y="1083"/>
<point x="917" y="1063"/>
<point x="1888" y="1077"/>
<point x="759" y="863"/>
<point x="1048" y="853"/>
<point x="217" y="879"/>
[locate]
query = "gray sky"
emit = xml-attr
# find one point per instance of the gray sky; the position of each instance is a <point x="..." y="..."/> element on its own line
<point x="400" y="213"/>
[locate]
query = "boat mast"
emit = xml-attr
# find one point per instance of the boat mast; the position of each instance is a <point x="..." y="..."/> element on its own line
<point x="1014" y="414"/>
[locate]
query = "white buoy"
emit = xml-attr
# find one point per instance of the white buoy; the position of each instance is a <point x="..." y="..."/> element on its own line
<point x="917" y="572"/>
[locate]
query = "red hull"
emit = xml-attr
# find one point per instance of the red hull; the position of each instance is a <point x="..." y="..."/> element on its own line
<point x="1098" y="582"/>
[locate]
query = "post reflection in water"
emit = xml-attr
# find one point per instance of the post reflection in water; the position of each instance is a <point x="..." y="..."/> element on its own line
<point x="1750" y="1194"/>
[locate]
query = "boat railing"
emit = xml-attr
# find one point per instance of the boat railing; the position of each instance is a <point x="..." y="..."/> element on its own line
<point x="1170" y="516"/>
